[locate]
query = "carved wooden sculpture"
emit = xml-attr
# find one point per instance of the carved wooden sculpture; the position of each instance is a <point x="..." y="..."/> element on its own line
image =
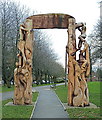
<point x="78" y="70"/>
<point x="23" y="71"/>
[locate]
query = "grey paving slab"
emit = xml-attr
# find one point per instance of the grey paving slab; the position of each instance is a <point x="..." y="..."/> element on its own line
<point x="7" y="95"/>
<point x="48" y="105"/>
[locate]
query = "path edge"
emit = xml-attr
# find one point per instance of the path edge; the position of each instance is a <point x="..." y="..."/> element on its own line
<point x="60" y="101"/>
<point x="34" y="108"/>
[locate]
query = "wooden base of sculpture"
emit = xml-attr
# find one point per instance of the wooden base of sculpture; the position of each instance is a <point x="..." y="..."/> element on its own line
<point x="23" y="71"/>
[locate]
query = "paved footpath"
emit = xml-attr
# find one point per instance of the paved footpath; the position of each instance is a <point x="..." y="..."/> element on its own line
<point x="8" y="95"/>
<point x="48" y="105"/>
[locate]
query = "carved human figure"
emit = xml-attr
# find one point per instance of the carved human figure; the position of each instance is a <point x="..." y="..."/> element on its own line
<point x="82" y="28"/>
<point x="22" y="32"/>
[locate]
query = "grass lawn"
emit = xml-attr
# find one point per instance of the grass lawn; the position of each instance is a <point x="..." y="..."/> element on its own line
<point x="62" y="93"/>
<point x="94" y="95"/>
<point x="19" y="111"/>
<point x="6" y="89"/>
<point x="95" y="92"/>
<point x="84" y="113"/>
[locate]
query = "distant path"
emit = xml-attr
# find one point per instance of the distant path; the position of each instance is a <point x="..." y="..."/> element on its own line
<point x="48" y="105"/>
<point x="7" y="95"/>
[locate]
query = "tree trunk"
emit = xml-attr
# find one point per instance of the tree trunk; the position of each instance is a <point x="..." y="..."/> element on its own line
<point x="41" y="74"/>
<point x="49" y="78"/>
<point x="45" y="78"/>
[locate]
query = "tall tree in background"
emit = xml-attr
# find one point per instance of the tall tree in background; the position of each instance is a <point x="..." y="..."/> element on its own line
<point x="95" y="39"/>
<point x="44" y="59"/>
<point x="11" y="15"/>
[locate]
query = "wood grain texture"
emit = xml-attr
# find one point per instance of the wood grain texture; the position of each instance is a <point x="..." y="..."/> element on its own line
<point x="49" y="21"/>
<point x="78" y="70"/>
<point x="23" y="71"/>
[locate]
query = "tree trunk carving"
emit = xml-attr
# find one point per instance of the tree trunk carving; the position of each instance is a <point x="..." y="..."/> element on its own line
<point x="78" y="70"/>
<point x="23" y="71"/>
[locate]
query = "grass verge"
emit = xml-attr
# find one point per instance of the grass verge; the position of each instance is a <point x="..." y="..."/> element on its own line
<point x="6" y="89"/>
<point x="84" y="113"/>
<point x="19" y="111"/>
<point x="94" y="95"/>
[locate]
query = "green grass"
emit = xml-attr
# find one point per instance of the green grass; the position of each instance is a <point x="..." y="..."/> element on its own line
<point x="94" y="95"/>
<point x="62" y="93"/>
<point x="84" y="113"/>
<point x="95" y="92"/>
<point x="6" y="89"/>
<point x="19" y="111"/>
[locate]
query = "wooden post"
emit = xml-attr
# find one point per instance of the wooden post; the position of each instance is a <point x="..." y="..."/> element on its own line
<point x="23" y="71"/>
<point x="71" y="47"/>
<point x="78" y="70"/>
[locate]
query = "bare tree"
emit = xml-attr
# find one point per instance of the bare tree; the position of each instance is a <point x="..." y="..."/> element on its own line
<point x="11" y="17"/>
<point x="95" y="39"/>
<point x="44" y="59"/>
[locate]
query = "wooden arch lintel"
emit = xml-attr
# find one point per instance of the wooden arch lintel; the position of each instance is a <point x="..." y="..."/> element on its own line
<point x="50" y="21"/>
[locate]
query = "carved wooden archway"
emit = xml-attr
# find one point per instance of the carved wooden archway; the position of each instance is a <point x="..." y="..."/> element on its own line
<point x="77" y="70"/>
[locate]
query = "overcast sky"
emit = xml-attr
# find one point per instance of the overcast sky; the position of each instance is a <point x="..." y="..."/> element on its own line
<point x="83" y="10"/>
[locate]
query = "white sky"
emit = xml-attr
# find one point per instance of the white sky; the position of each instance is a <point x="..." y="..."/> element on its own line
<point x="83" y="10"/>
